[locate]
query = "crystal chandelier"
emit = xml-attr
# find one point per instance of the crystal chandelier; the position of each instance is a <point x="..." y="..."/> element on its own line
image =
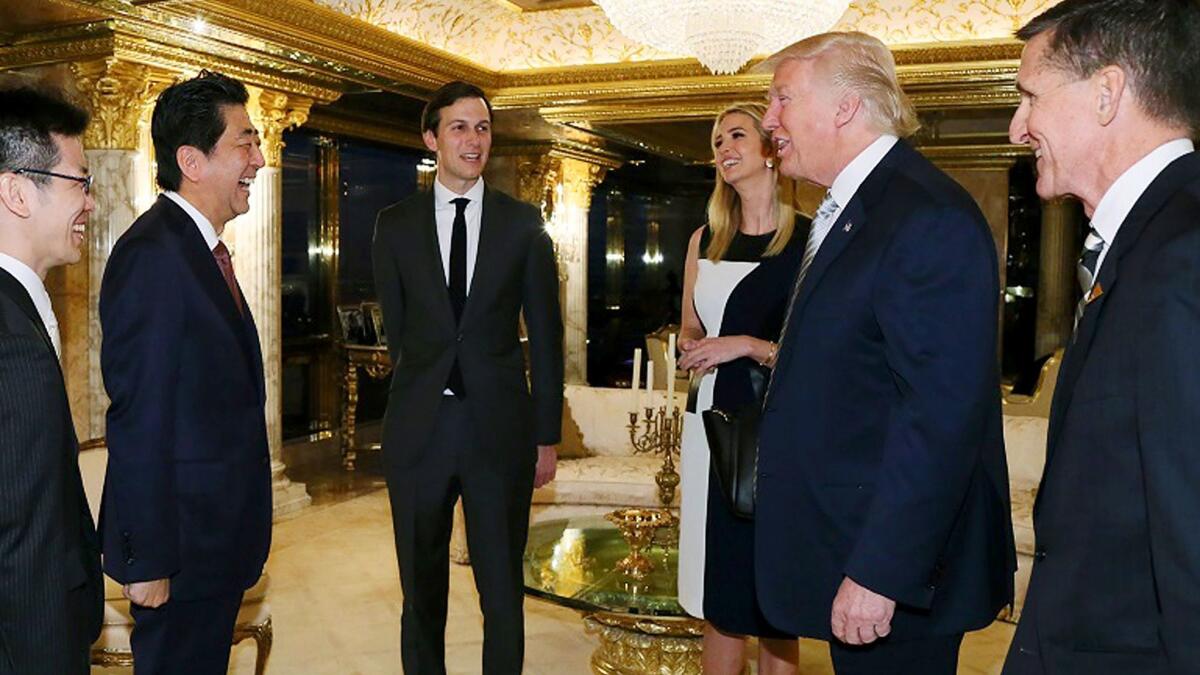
<point x="722" y="34"/>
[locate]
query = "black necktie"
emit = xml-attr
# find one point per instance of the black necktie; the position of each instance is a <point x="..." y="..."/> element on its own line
<point x="458" y="257"/>
<point x="458" y="282"/>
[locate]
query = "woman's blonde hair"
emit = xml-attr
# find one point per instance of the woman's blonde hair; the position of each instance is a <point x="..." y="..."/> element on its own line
<point x="725" y="207"/>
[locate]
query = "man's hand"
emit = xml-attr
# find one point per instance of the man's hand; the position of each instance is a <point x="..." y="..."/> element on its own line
<point x="547" y="465"/>
<point x="148" y="593"/>
<point x="860" y="616"/>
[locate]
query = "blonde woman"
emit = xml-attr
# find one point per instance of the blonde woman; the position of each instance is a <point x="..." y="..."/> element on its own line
<point x="737" y="281"/>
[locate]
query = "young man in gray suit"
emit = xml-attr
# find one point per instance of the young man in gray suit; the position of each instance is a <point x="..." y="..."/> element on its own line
<point x="455" y="268"/>
<point x="50" y="582"/>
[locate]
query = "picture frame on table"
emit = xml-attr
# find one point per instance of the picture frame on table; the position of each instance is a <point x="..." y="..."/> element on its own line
<point x="353" y="324"/>
<point x="373" y="316"/>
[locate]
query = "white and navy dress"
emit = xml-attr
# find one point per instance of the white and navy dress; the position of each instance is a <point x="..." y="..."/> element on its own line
<point x="745" y="293"/>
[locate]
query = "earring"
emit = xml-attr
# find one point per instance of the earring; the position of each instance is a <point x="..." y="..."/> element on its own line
<point x="770" y="164"/>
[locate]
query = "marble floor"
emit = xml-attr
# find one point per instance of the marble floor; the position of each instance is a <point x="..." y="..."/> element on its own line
<point x="335" y="593"/>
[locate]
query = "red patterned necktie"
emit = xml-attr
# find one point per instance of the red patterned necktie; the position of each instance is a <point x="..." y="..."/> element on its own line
<point x="225" y="262"/>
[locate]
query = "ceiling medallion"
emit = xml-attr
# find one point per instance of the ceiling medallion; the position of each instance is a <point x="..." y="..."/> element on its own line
<point x="722" y="34"/>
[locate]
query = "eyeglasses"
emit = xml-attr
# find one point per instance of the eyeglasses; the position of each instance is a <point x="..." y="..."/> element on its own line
<point x="85" y="181"/>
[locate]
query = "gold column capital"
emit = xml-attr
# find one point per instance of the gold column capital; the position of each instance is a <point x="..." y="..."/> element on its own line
<point x="119" y="94"/>
<point x="274" y="112"/>
<point x="536" y="177"/>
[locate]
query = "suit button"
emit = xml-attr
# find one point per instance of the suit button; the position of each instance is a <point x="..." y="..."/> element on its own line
<point x="458" y="338"/>
<point x="769" y="409"/>
<point x="266" y="460"/>
<point x="1039" y="554"/>
<point x="130" y="560"/>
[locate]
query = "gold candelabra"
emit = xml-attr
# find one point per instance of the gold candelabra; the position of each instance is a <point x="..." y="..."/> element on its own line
<point x="659" y="433"/>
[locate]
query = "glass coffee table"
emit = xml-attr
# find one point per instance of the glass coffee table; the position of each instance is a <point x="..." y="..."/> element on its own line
<point x="641" y="627"/>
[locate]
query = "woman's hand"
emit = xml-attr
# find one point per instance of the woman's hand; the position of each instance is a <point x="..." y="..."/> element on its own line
<point x="708" y="353"/>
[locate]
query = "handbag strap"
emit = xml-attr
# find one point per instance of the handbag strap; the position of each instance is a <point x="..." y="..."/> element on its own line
<point x="693" y="390"/>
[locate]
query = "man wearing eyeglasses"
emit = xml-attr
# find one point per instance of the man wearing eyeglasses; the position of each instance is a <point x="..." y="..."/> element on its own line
<point x="50" y="582"/>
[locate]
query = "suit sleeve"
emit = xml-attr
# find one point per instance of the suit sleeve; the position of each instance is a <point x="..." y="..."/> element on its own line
<point x="543" y="321"/>
<point x="143" y="324"/>
<point x="1168" y="413"/>
<point x="388" y="286"/>
<point x="936" y="305"/>
<point x="32" y="587"/>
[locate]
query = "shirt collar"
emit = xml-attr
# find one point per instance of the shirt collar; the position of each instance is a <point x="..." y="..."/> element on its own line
<point x="206" y="229"/>
<point x="442" y="194"/>
<point x="33" y="286"/>
<point x="1120" y="197"/>
<point x="851" y="177"/>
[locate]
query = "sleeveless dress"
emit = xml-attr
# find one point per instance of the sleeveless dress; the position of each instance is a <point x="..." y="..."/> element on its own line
<point x="745" y="293"/>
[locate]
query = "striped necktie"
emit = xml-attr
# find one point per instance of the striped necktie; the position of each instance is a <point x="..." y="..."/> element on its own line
<point x="1093" y="246"/>
<point x="821" y="223"/>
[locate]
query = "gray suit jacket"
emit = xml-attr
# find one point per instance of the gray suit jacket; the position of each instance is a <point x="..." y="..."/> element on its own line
<point x="50" y="582"/>
<point x="514" y="274"/>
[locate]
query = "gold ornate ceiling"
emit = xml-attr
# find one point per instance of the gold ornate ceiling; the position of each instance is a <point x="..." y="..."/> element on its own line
<point x="498" y="35"/>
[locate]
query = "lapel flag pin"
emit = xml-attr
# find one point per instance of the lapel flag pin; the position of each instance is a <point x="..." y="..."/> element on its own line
<point x="847" y="227"/>
<point x="1097" y="291"/>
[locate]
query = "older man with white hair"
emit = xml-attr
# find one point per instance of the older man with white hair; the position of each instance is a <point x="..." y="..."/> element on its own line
<point x="882" y="516"/>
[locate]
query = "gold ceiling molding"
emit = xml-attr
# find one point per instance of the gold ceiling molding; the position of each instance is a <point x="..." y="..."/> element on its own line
<point x="167" y="48"/>
<point x="975" y="156"/>
<point x="379" y="131"/>
<point x="352" y="48"/>
<point x="563" y="149"/>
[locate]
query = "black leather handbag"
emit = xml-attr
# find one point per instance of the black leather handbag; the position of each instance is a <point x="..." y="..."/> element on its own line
<point x="733" y="444"/>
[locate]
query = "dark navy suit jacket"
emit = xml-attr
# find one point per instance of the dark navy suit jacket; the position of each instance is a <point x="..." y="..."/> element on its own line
<point x="1115" y="586"/>
<point x="188" y="489"/>
<point x="881" y="454"/>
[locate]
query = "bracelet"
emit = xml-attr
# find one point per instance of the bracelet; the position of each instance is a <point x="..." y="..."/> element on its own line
<point x="772" y="352"/>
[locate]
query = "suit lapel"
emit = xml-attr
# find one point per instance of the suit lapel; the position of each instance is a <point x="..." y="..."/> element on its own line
<point x="203" y="266"/>
<point x="490" y="224"/>
<point x="1151" y="201"/>
<point x="849" y="223"/>
<point x="427" y="234"/>
<point x="17" y="293"/>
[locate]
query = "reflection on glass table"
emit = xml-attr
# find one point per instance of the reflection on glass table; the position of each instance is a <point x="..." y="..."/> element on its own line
<point x="640" y="625"/>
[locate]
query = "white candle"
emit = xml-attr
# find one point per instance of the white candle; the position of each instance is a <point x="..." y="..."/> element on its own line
<point x="670" y="373"/>
<point x="636" y="385"/>
<point x="650" y="382"/>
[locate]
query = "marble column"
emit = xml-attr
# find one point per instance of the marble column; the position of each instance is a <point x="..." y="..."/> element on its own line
<point x="120" y="96"/>
<point x="1057" y="290"/>
<point x="255" y="240"/>
<point x="568" y="226"/>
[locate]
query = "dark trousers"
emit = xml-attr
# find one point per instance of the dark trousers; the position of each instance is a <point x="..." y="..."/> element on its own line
<point x="929" y="656"/>
<point x="184" y="637"/>
<point x="496" y="507"/>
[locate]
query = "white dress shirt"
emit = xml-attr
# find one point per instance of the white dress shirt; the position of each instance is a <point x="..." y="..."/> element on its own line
<point x="443" y="213"/>
<point x="206" y="229"/>
<point x="1120" y="197"/>
<point x="37" y="292"/>
<point x="849" y="180"/>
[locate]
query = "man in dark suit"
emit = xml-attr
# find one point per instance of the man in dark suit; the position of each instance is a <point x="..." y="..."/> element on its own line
<point x="1109" y="100"/>
<point x="51" y="589"/>
<point x="882" y="519"/>
<point x="455" y="268"/>
<point x="186" y="516"/>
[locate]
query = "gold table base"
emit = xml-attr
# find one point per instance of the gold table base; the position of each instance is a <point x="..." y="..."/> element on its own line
<point x="640" y="645"/>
